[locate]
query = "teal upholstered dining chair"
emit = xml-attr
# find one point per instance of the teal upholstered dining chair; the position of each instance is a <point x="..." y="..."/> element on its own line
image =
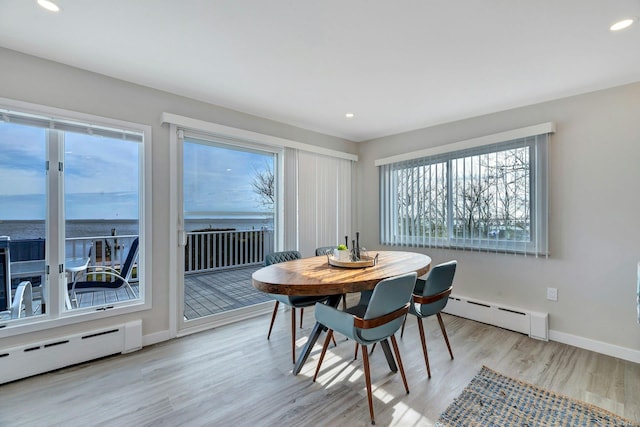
<point x="430" y="296"/>
<point x="292" y="301"/>
<point x="326" y="250"/>
<point x="382" y="317"/>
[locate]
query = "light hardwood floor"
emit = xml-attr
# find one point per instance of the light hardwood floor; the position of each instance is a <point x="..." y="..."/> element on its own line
<point x="233" y="376"/>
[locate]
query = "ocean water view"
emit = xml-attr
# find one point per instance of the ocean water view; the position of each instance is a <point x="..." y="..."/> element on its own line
<point x="90" y="228"/>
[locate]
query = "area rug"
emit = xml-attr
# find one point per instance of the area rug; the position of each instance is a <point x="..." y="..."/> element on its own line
<point x="492" y="399"/>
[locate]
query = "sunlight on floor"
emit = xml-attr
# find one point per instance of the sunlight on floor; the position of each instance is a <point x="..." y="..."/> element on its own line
<point x="408" y="416"/>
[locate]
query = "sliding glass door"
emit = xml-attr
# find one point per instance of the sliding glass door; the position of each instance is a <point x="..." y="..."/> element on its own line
<point x="229" y="205"/>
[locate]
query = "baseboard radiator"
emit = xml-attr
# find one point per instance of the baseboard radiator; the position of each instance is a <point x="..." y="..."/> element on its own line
<point x="55" y="353"/>
<point x="534" y="324"/>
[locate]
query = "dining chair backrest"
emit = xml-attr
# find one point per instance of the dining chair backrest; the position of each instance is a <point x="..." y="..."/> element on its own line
<point x="388" y="296"/>
<point x="439" y="279"/>
<point x="278" y="257"/>
<point x="323" y="250"/>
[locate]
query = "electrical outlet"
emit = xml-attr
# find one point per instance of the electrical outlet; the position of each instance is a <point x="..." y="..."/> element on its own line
<point x="552" y="294"/>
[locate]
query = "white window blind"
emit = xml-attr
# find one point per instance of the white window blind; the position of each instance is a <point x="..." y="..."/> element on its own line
<point x="324" y="201"/>
<point x="490" y="197"/>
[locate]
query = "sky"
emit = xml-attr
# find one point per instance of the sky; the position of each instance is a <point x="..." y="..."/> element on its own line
<point x="217" y="179"/>
<point x="101" y="176"/>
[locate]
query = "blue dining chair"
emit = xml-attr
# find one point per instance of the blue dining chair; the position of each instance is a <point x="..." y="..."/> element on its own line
<point x="292" y="301"/>
<point x="382" y="317"/>
<point x="326" y="250"/>
<point x="430" y="297"/>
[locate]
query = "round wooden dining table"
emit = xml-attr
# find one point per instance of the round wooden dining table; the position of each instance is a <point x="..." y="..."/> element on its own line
<point x="315" y="276"/>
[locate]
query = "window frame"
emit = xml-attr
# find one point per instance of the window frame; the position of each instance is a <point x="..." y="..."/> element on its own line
<point x="56" y="316"/>
<point x="535" y="139"/>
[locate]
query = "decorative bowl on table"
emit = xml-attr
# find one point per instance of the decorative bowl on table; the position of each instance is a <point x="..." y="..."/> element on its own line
<point x="363" y="262"/>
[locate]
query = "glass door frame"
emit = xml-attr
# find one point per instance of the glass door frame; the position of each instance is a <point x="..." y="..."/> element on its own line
<point x="179" y="326"/>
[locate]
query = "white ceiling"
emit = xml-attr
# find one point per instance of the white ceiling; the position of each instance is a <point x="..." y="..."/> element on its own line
<point x="397" y="64"/>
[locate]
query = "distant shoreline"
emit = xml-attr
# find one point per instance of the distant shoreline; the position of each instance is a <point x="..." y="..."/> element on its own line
<point x="77" y="228"/>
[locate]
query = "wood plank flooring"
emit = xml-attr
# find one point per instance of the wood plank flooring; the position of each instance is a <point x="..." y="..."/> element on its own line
<point x="233" y="376"/>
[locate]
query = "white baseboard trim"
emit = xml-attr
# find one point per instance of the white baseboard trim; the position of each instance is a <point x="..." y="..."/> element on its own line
<point x="597" y="346"/>
<point x="55" y="352"/>
<point x="228" y="318"/>
<point x="535" y="324"/>
<point x="156" y="337"/>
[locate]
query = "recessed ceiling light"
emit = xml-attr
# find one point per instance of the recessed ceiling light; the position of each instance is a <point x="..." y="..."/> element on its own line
<point x="622" y="24"/>
<point x="349" y="115"/>
<point x="49" y="5"/>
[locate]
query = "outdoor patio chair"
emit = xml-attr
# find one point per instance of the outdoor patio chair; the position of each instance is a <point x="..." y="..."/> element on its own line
<point x="292" y="301"/>
<point x="118" y="279"/>
<point x="382" y="317"/>
<point x="22" y="305"/>
<point x="430" y="296"/>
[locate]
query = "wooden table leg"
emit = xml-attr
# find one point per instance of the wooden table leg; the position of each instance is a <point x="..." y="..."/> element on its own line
<point x="333" y="301"/>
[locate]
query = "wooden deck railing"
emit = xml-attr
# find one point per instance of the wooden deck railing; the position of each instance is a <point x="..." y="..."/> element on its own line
<point x="222" y="249"/>
<point x="204" y="251"/>
<point x="107" y="251"/>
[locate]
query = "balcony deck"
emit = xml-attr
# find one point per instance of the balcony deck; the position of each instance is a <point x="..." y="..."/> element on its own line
<point x="220" y="291"/>
<point x="205" y="293"/>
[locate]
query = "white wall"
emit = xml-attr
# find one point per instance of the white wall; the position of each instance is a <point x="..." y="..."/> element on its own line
<point x="594" y="216"/>
<point x="43" y="82"/>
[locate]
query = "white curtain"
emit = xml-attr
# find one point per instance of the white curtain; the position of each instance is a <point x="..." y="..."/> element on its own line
<point x="324" y="201"/>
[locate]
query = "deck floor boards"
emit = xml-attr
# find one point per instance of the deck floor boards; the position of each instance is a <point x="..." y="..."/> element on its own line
<point x="212" y="293"/>
<point x="206" y="294"/>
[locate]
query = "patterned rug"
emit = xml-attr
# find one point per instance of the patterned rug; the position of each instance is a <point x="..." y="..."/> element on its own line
<point x="491" y="399"/>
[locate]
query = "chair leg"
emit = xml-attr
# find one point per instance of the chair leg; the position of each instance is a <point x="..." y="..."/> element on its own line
<point x="324" y="350"/>
<point x="424" y="345"/>
<point x="373" y="347"/>
<point x="403" y="322"/>
<point x="355" y="356"/>
<point x="301" y="314"/>
<point x="335" y="344"/>
<point x="397" y="352"/>
<point x="273" y="318"/>
<point x="293" y="334"/>
<point x="131" y="289"/>
<point x="444" y="334"/>
<point x="367" y="378"/>
<point x="344" y="302"/>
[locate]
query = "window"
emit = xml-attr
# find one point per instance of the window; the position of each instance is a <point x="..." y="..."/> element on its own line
<point x="490" y="197"/>
<point x="72" y="198"/>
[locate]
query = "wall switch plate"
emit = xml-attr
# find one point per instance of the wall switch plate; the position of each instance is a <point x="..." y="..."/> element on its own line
<point x="552" y="294"/>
